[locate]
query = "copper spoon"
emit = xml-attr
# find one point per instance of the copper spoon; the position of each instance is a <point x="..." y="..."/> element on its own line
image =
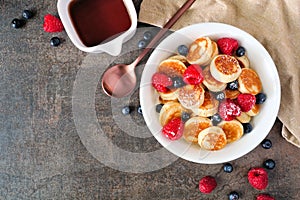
<point x="120" y="80"/>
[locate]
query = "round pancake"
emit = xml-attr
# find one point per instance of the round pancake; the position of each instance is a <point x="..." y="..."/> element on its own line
<point x="191" y="96"/>
<point x="172" y="68"/>
<point x="193" y="127"/>
<point x="233" y="130"/>
<point x="209" y="107"/>
<point x="200" y="51"/>
<point x="212" y="138"/>
<point x="169" y="111"/>
<point x="249" y="82"/>
<point x="211" y="83"/>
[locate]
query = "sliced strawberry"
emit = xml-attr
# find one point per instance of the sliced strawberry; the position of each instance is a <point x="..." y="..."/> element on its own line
<point x="246" y="101"/>
<point x="228" y="110"/>
<point x="173" y="129"/>
<point x="161" y="82"/>
<point x="52" y="24"/>
<point x="227" y="45"/>
<point x="193" y="75"/>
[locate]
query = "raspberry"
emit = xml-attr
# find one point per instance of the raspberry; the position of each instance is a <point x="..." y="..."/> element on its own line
<point x="228" y="110"/>
<point x="161" y="82"/>
<point x="207" y="184"/>
<point x="264" y="197"/>
<point x="258" y="178"/>
<point x="246" y="101"/>
<point x="228" y="45"/>
<point x="52" y="24"/>
<point x="173" y="129"/>
<point x="193" y="75"/>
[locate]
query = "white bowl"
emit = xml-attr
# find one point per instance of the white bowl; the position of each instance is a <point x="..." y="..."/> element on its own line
<point x="112" y="47"/>
<point x="260" y="61"/>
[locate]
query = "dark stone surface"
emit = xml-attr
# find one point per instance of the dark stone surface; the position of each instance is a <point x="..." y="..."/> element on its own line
<point x="42" y="156"/>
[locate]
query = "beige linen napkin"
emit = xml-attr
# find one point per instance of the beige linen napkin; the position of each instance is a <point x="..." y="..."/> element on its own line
<point x="275" y="23"/>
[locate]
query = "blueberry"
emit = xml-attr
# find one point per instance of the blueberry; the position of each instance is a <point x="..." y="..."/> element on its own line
<point x="126" y="110"/>
<point x="216" y="119"/>
<point x="17" y="23"/>
<point x="234" y="85"/>
<point x="219" y="95"/>
<point x="178" y="82"/>
<point x="139" y="110"/>
<point x="183" y="50"/>
<point x="55" y="41"/>
<point x="227" y="167"/>
<point x="233" y="195"/>
<point x="240" y="51"/>
<point x="142" y="44"/>
<point x="185" y="116"/>
<point x="147" y="35"/>
<point x="247" y="127"/>
<point x="269" y="164"/>
<point x="27" y="14"/>
<point x="158" y="107"/>
<point x="266" y="144"/>
<point x="260" y="98"/>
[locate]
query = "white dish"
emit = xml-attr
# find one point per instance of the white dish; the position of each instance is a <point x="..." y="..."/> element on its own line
<point x="260" y="60"/>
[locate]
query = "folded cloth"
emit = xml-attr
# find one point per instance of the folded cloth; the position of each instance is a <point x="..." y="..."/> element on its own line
<point x="274" y="23"/>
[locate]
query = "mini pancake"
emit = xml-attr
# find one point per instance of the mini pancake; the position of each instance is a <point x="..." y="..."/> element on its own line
<point x="209" y="106"/>
<point x="212" y="138"/>
<point x="211" y="83"/>
<point x="191" y="96"/>
<point x="169" y="111"/>
<point x="249" y="82"/>
<point x="172" y="68"/>
<point x="193" y="127"/>
<point x="233" y="130"/>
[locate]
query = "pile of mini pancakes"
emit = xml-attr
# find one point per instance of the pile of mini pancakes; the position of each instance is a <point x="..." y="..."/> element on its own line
<point x="199" y="101"/>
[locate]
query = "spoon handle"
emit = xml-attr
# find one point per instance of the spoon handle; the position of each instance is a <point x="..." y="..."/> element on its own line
<point x="165" y="28"/>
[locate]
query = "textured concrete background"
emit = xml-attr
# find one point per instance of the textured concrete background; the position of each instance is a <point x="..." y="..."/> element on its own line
<point x="42" y="156"/>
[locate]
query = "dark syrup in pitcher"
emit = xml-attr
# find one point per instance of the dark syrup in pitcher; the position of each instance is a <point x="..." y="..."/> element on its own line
<point x="97" y="20"/>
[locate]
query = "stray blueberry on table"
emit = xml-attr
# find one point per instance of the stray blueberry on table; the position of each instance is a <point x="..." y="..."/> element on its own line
<point x="269" y="164"/>
<point x="233" y="195"/>
<point x="142" y="44"/>
<point x="178" y="82"/>
<point x="139" y="110"/>
<point x="216" y="119"/>
<point x="17" y="23"/>
<point x="219" y="95"/>
<point x="227" y="167"/>
<point x="55" y="41"/>
<point x="147" y="35"/>
<point x="27" y="14"/>
<point x="240" y="51"/>
<point x="234" y="85"/>
<point x="266" y="144"/>
<point x="183" y="50"/>
<point x="247" y="127"/>
<point x="260" y="98"/>
<point x="126" y="110"/>
<point x="185" y="116"/>
<point x="158" y="107"/>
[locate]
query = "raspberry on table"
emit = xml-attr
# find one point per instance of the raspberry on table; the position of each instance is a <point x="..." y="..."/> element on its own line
<point x="227" y="45"/>
<point x="258" y="178"/>
<point x="52" y="24"/>
<point x="264" y="197"/>
<point x="207" y="184"/>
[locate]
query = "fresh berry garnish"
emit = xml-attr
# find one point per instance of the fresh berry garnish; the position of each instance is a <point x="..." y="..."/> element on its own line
<point x="233" y="195"/>
<point x="17" y="23"/>
<point x="185" y="116"/>
<point x="207" y="184"/>
<point x="220" y="96"/>
<point x="264" y="197"/>
<point x="178" y="82"/>
<point x="147" y="35"/>
<point x="193" y="75"/>
<point x="227" y="167"/>
<point x="247" y="128"/>
<point x="234" y="85"/>
<point x="142" y="44"/>
<point x="240" y="51"/>
<point x="266" y="144"/>
<point x="173" y="129"/>
<point x="55" y="41"/>
<point x="260" y="98"/>
<point x="161" y="82"/>
<point x="158" y="107"/>
<point x="52" y="24"/>
<point x="126" y="110"/>
<point x="258" y="178"/>
<point x="183" y="50"/>
<point x="228" y="110"/>
<point x="269" y="164"/>
<point x="227" y="45"/>
<point x="246" y="101"/>
<point x="216" y="119"/>
<point x="27" y="14"/>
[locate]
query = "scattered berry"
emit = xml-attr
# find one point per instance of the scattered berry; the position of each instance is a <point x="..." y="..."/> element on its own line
<point x="234" y="85"/>
<point x="264" y="197"/>
<point x="228" y="110"/>
<point x="260" y="98"/>
<point x="246" y="101"/>
<point x="220" y="96"/>
<point x="178" y="82"/>
<point x="269" y="164"/>
<point x="240" y="51"/>
<point x="193" y="75"/>
<point x="17" y="23"/>
<point x="183" y="50"/>
<point x="266" y="144"/>
<point x="247" y="128"/>
<point x="185" y="116"/>
<point x="233" y="195"/>
<point x="227" y="167"/>
<point x="52" y="24"/>
<point x="161" y="82"/>
<point x="258" y="178"/>
<point x="126" y="110"/>
<point x="142" y="44"/>
<point x="27" y="14"/>
<point x="139" y="110"/>
<point x="173" y="129"/>
<point x="228" y="45"/>
<point x="158" y="107"/>
<point x="147" y="35"/>
<point x="55" y="41"/>
<point x="207" y="184"/>
<point x="216" y="119"/>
